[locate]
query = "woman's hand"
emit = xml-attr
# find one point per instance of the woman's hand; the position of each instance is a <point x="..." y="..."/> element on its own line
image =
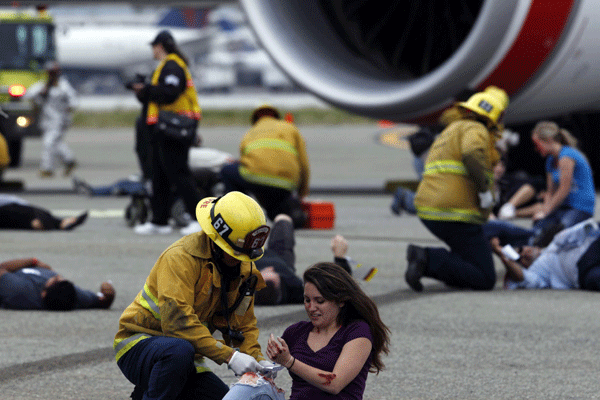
<point x="278" y="351"/>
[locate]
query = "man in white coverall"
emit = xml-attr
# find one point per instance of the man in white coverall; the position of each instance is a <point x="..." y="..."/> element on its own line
<point x="55" y="99"/>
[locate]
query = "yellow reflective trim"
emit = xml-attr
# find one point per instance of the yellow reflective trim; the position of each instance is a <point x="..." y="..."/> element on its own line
<point x="267" y="180"/>
<point x="201" y="366"/>
<point x="450" y="214"/>
<point x="276" y="144"/>
<point x="445" y="167"/>
<point x="150" y="302"/>
<point x="121" y="346"/>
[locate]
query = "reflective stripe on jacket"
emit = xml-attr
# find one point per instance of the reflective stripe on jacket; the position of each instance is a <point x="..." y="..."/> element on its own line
<point x="447" y="191"/>
<point x="180" y="298"/>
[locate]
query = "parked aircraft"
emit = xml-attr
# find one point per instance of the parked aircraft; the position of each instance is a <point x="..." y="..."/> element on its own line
<point x="114" y="42"/>
<point x="408" y="60"/>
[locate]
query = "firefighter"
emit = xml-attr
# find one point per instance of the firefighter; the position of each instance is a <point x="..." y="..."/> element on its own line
<point x="273" y="165"/>
<point x="202" y="283"/>
<point x="455" y="197"/>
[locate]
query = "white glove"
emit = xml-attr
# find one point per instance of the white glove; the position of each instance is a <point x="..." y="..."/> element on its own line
<point x="486" y="199"/>
<point x="268" y="364"/>
<point x="507" y="211"/>
<point x="241" y="363"/>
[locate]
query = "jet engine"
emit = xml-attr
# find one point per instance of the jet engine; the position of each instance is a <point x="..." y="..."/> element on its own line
<point x="407" y="60"/>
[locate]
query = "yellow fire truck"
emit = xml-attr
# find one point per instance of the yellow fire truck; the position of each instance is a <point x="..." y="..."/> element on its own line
<point x="27" y="44"/>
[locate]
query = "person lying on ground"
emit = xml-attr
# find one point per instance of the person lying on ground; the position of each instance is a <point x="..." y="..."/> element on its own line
<point x="29" y="284"/>
<point x="278" y="269"/>
<point x="17" y="213"/>
<point x="571" y="261"/>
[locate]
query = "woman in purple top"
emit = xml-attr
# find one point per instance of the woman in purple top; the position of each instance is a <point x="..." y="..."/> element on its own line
<point x="329" y="356"/>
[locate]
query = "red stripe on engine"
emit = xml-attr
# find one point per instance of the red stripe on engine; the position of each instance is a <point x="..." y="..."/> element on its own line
<point x="536" y="40"/>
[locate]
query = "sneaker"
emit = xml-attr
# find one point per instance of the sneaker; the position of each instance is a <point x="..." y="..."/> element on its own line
<point x="69" y="167"/>
<point x="417" y="262"/>
<point x="75" y="222"/>
<point x="46" y="173"/>
<point x="192" y="227"/>
<point x="151" y="229"/>
<point x="507" y="211"/>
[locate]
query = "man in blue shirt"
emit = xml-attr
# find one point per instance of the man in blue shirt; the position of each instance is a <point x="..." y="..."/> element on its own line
<point x="571" y="261"/>
<point x="29" y="284"/>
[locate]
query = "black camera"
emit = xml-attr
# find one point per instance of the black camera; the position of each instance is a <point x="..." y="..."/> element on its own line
<point x="139" y="78"/>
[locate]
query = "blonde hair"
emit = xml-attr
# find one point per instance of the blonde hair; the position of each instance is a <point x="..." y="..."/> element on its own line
<point x="548" y="130"/>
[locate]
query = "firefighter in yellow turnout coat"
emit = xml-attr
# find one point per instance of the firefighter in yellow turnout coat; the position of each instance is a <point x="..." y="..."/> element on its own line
<point x="202" y="283"/>
<point x="455" y="198"/>
<point x="273" y="165"/>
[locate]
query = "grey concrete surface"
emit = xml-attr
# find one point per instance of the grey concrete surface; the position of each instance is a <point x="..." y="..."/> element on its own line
<point x="446" y="344"/>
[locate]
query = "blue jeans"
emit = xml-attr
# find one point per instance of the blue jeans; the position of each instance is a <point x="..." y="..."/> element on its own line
<point x="567" y="216"/>
<point x="120" y="188"/>
<point x="247" y="392"/>
<point x="468" y="264"/>
<point x="507" y="232"/>
<point x="163" y="368"/>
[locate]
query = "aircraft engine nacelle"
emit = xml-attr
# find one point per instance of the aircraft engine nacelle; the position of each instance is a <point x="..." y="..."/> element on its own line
<point x="404" y="60"/>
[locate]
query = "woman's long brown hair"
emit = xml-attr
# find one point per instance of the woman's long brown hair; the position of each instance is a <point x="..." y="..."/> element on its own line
<point x="335" y="284"/>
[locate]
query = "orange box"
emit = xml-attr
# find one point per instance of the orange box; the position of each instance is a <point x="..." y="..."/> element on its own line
<point x="321" y="214"/>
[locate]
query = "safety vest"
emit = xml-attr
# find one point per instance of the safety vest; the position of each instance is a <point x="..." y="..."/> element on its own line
<point x="186" y="104"/>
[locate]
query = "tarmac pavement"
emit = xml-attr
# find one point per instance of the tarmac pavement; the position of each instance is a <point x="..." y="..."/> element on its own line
<point x="446" y="344"/>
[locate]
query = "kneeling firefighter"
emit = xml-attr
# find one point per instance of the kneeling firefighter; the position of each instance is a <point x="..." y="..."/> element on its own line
<point x="201" y="283"/>
<point x="455" y="197"/>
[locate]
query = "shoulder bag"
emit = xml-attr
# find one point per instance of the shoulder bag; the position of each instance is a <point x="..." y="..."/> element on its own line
<point x="176" y="127"/>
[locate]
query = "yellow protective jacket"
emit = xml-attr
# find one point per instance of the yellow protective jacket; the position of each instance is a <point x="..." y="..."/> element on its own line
<point x="273" y="153"/>
<point x="180" y="298"/>
<point x="186" y="104"/>
<point x="448" y="191"/>
<point x="4" y="154"/>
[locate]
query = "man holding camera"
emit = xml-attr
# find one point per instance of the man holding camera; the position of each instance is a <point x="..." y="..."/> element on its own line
<point x="202" y="283"/>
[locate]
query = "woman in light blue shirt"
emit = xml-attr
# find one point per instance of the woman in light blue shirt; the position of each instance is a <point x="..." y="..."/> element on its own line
<point x="570" y="193"/>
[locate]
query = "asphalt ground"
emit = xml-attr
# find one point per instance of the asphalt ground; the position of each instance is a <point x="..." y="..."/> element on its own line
<point x="446" y="343"/>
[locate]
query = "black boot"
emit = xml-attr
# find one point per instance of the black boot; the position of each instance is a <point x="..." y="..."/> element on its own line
<point x="417" y="262"/>
<point x="137" y="393"/>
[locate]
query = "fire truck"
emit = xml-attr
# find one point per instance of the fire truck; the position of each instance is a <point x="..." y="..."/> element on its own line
<point x="27" y="45"/>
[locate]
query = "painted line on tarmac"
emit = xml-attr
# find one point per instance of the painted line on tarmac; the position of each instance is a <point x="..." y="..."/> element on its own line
<point x="110" y="213"/>
<point x="106" y="354"/>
